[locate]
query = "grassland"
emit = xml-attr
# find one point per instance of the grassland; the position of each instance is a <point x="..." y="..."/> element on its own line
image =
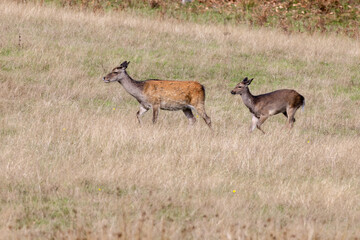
<point x="311" y="16"/>
<point x="76" y="164"/>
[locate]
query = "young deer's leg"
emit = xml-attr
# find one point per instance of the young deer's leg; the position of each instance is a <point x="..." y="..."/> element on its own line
<point x="141" y="112"/>
<point x="155" y="113"/>
<point x="260" y="122"/>
<point x="188" y="113"/>
<point x="285" y="114"/>
<point x="291" y="117"/>
<point x="254" y="122"/>
<point x="202" y="113"/>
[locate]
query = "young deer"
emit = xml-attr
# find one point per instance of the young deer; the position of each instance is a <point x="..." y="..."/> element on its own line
<point x="285" y="101"/>
<point x="162" y="94"/>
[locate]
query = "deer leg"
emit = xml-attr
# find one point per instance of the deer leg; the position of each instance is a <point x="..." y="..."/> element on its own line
<point x="188" y="113"/>
<point x="155" y="113"/>
<point x="141" y="112"/>
<point x="260" y="122"/>
<point x="285" y="114"/>
<point x="291" y="118"/>
<point x="203" y="114"/>
<point x="254" y="122"/>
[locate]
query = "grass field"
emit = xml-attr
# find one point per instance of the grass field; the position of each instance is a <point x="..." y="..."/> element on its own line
<point x="76" y="164"/>
<point x="311" y="16"/>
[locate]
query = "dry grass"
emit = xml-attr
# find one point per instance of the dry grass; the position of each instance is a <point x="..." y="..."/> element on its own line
<point x="75" y="163"/>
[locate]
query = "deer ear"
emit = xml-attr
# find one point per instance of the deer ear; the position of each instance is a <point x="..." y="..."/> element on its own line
<point x="245" y="80"/>
<point x="248" y="83"/>
<point x="124" y="64"/>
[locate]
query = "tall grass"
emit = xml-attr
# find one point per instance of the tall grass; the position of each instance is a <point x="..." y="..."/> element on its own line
<point x="76" y="164"/>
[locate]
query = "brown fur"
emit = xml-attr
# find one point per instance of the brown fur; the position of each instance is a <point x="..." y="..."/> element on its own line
<point x="174" y="95"/>
<point x="279" y="100"/>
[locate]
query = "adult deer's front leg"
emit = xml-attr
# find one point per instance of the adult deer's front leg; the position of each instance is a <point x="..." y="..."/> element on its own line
<point x="155" y="113"/>
<point x="141" y="112"/>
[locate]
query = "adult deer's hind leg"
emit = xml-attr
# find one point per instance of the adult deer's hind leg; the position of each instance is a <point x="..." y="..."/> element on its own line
<point x="202" y="113"/>
<point x="190" y="116"/>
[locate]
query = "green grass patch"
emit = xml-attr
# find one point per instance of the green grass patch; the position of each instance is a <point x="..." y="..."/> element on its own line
<point x="353" y="91"/>
<point x="46" y="212"/>
<point x="8" y="132"/>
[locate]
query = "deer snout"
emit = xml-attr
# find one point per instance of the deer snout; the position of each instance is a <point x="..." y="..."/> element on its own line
<point x="233" y="92"/>
<point x="104" y="79"/>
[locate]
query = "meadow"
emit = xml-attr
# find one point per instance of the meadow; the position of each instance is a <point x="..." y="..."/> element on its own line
<point x="311" y="16"/>
<point x="76" y="164"/>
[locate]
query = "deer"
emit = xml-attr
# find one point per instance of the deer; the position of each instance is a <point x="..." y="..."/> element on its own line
<point x="158" y="94"/>
<point x="285" y="101"/>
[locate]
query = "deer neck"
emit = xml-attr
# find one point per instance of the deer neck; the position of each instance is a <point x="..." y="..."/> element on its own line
<point x="249" y="100"/>
<point x="133" y="87"/>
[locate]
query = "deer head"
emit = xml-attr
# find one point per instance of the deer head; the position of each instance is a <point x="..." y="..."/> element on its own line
<point x="242" y="87"/>
<point x="117" y="74"/>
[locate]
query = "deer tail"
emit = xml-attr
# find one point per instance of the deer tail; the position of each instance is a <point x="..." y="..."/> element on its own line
<point x="303" y="105"/>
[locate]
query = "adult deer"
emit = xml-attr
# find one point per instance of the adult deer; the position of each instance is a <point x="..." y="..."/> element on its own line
<point x="162" y="94"/>
<point x="285" y="101"/>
